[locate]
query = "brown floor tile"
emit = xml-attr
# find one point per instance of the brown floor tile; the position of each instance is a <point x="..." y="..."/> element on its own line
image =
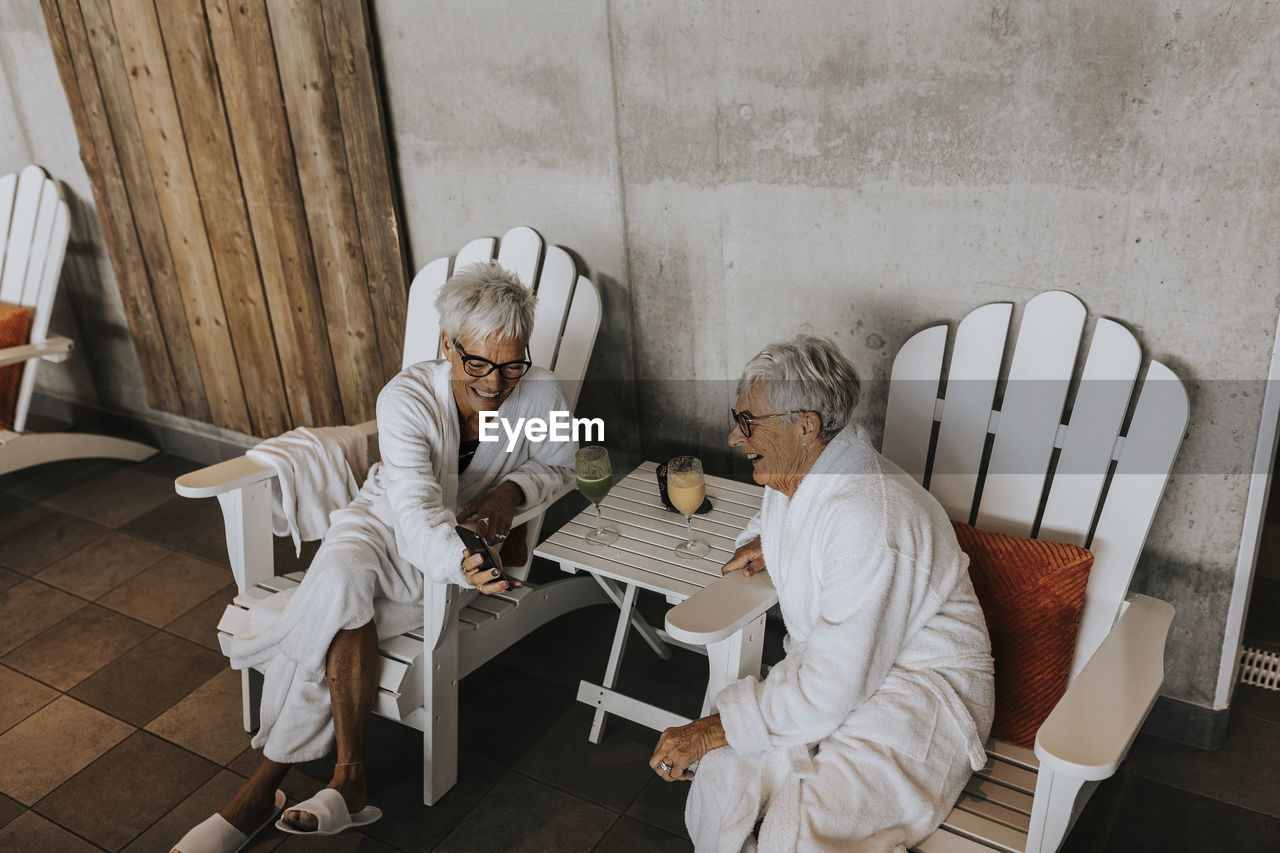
<point x="662" y="804"/>
<point x="168" y="466"/>
<point x="352" y="841"/>
<point x="78" y="646"/>
<point x="52" y="745"/>
<point x="148" y="679"/>
<point x="206" y="800"/>
<point x="38" y="536"/>
<point x="168" y="589"/>
<point x="208" y="722"/>
<point x="45" y="481"/>
<point x="102" y="566"/>
<point x="115" y="498"/>
<point x="115" y="798"/>
<point x="541" y="818"/>
<point x="9" y="809"/>
<point x="8" y="579"/>
<point x="33" y="834"/>
<point x="200" y="623"/>
<point x="185" y="524"/>
<point x="629" y="835"/>
<point x="30" y="607"/>
<point x="22" y="697"/>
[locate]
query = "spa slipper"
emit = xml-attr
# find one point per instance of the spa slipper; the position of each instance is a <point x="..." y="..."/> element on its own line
<point x="215" y="835"/>
<point x="331" y="814"/>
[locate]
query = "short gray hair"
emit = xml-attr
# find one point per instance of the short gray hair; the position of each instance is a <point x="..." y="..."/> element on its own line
<point x="810" y="374"/>
<point x="484" y="299"/>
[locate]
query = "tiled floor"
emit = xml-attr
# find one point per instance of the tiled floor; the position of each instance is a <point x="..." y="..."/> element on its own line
<point x="119" y="721"/>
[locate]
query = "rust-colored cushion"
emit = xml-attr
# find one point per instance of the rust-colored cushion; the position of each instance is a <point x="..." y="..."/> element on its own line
<point x="1031" y="593"/>
<point x="15" y="323"/>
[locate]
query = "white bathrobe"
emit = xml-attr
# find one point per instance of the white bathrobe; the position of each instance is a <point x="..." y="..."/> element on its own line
<point x="378" y="551"/>
<point x="863" y="736"/>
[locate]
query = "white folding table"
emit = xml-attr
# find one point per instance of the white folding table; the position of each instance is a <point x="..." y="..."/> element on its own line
<point x="642" y="558"/>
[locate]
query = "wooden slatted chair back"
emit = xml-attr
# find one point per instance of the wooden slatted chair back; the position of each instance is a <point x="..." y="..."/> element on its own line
<point x="568" y="312"/>
<point x="33" y="242"/>
<point x="1026" y="468"/>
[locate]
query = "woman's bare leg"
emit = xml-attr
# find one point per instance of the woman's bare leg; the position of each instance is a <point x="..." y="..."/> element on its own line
<point x="256" y="799"/>
<point x="352" y="667"/>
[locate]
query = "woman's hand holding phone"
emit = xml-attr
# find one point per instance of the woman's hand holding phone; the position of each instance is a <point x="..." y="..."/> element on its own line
<point x="482" y="566"/>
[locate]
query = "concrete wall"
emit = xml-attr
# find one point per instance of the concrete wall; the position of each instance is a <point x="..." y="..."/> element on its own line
<point x="735" y="173"/>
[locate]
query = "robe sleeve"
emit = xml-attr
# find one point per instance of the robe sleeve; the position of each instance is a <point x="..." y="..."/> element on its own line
<point x="751" y="531"/>
<point x="547" y="466"/>
<point x="866" y="618"/>
<point x="409" y="428"/>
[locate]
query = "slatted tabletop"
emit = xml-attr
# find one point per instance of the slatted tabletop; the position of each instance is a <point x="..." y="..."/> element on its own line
<point x="642" y="554"/>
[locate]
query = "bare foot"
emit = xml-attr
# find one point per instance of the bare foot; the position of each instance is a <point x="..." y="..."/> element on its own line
<point x="354" y="791"/>
<point x="248" y="813"/>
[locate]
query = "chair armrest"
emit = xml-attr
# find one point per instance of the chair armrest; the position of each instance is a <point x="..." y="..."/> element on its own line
<point x="1089" y="731"/>
<point x="721" y="608"/>
<point x="532" y="512"/>
<point x="236" y="473"/>
<point x="53" y="348"/>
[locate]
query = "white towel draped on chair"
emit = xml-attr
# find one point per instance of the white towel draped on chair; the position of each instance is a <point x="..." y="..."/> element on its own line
<point x="318" y="471"/>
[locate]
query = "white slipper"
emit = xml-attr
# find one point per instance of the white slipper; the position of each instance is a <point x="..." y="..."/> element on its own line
<point x="331" y="814"/>
<point x="215" y="835"/>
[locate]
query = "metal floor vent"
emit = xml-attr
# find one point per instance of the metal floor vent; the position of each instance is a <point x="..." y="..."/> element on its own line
<point x="1259" y="668"/>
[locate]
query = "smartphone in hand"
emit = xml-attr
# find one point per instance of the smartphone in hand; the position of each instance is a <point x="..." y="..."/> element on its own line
<point x="476" y="545"/>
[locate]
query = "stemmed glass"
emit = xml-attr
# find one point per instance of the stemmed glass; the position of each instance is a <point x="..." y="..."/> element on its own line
<point x="686" y="489"/>
<point x="595" y="478"/>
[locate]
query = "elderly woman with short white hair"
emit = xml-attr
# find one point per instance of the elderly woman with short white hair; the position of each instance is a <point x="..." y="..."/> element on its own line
<point x="319" y="652"/>
<point x="863" y="736"/>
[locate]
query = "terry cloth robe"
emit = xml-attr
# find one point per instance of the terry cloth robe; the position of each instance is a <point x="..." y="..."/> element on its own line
<point x="396" y="535"/>
<point x="863" y="736"/>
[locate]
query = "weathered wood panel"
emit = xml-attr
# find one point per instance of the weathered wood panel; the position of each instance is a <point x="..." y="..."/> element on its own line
<point x="315" y="127"/>
<point x="217" y="181"/>
<point x="81" y="86"/>
<point x="346" y="25"/>
<point x="242" y="175"/>
<point x="142" y="47"/>
<point x="137" y="207"/>
<point x="251" y="90"/>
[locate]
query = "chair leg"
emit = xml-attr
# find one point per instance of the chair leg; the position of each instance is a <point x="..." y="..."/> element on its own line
<point x="732" y="658"/>
<point x="440" y="702"/>
<point x="619" y="648"/>
<point x="1058" y="801"/>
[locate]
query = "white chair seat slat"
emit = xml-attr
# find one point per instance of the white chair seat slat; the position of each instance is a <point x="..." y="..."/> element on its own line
<point x="994" y="834"/>
<point x="520" y="251"/>
<point x="1039" y="377"/>
<point x="1010" y="798"/>
<point x="944" y="841"/>
<point x="22" y="227"/>
<point x="908" y="420"/>
<point x="555" y="289"/>
<point x="391" y="673"/>
<point x="995" y="812"/>
<point x="8" y="187"/>
<point x="581" y="325"/>
<point x="1009" y="775"/>
<point x="402" y="647"/>
<point x="1150" y="445"/>
<point x="971" y="388"/>
<point x="477" y="251"/>
<point x="1106" y="384"/>
<point x="495" y="607"/>
<point x="422" y="342"/>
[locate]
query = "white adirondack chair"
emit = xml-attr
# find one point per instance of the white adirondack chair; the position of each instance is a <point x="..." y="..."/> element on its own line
<point x="418" y="682"/>
<point x="1027" y="800"/>
<point x="33" y="243"/>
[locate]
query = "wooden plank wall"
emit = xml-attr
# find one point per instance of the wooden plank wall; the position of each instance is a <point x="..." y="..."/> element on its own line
<point x="240" y="166"/>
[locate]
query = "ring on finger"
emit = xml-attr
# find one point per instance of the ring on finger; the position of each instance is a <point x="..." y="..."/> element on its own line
<point x="664" y="767"/>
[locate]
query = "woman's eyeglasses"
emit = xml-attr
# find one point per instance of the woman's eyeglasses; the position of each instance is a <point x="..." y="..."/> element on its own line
<point x="747" y="421"/>
<point x="479" y="367"/>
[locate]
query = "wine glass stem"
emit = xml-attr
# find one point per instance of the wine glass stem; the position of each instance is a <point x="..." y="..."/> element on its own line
<point x="599" y="521"/>
<point x="688" y="528"/>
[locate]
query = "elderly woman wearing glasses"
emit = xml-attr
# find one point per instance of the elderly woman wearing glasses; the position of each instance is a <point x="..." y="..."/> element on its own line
<point x="863" y="736"/>
<point x="319" y="651"/>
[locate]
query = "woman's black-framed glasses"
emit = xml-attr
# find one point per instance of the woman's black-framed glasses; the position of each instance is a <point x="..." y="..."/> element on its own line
<point x="746" y="421"/>
<point x="479" y="367"/>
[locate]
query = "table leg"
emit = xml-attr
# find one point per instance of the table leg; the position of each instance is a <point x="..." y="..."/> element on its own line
<point x="643" y="628"/>
<point x="620" y="635"/>
<point x="734" y="657"/>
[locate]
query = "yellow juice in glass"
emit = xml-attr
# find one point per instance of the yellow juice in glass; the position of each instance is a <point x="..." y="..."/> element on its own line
<point x="686" y="490"/>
